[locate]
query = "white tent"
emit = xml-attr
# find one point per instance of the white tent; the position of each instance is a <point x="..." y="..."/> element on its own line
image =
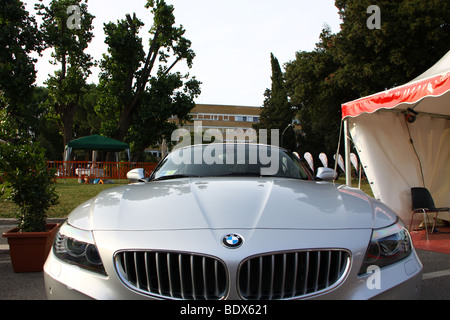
<point x="397" y="154"/>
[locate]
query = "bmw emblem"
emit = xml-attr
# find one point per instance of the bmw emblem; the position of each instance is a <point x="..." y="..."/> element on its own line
<point x="232" y="241"/>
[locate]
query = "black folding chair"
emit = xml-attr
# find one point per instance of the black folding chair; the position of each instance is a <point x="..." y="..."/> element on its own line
<point x="422" y="201"/>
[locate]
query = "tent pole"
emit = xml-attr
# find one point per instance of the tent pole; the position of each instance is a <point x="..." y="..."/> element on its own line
<point x="348" y="169"/>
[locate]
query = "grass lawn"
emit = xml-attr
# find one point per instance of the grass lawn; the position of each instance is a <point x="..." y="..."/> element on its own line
<point x="365" y="186"/>
<point x="72" y="194"/>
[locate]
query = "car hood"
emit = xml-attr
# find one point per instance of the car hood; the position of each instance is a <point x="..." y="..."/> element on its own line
<point x="231" y="203"/>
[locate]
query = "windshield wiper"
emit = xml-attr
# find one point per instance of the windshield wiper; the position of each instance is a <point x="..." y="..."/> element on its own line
<point x="175" y="176"/>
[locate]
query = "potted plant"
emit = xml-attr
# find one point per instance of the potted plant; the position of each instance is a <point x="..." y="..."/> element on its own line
<point x="30" y="185"/>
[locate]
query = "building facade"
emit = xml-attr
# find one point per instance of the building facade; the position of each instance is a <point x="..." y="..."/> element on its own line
<point x="223" y="117"/>
<point x="237" y="121"/>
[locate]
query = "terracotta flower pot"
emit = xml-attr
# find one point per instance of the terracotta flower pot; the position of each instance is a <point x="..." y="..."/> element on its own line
<point x="29" y="250"/>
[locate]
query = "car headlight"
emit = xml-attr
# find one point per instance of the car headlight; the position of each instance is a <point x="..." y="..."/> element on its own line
<point x="76" y="246"/>
<point x="387" y="246"/>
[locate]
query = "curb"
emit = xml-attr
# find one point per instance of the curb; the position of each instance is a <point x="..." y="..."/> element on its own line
<point x="8" y="222"/>
<point x="13" y="222"/>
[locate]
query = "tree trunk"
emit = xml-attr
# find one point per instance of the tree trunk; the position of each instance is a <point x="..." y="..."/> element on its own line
<point x="67" y="122"/>
<point x="137" y="154"/>
<point x="125" y="121"/>
<point x="126" y="115"/>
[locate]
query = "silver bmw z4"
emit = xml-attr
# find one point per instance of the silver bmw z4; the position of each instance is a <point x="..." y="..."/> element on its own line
<point x="232" y="221"/>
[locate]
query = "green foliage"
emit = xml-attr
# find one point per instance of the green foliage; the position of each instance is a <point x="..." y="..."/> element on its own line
<point x="160" y="101"/>
<point x="278" y="112"/>
<point x="69" y="45"/>
<point x="29" y="184"/>
<point x="86" y="120"/>
<point x="23" y="166"/>
<point x="359" y="61"/>
<point x="414" y="35"/>
<point x="311" y="87"/>
<point x="139" y="91"/>
<point x="19" y="37"/>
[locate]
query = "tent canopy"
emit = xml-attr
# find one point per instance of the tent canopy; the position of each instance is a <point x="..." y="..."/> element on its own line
<point x="398" y="155"/>
<point x="411" y="95"/>
<point x="98" y="143"/>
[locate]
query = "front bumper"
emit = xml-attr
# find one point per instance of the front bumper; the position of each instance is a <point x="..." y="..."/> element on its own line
<point x="401" y="280"/>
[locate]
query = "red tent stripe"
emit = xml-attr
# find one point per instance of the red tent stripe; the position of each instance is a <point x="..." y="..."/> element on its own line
<point x="409" y="93"/>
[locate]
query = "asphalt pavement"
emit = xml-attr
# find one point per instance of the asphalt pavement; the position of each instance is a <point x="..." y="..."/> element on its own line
<point x="18" y="286"/>
<point x="30" y="286"/>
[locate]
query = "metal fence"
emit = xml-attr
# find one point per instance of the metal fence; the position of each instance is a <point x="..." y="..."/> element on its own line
<point x="97" y="170"/>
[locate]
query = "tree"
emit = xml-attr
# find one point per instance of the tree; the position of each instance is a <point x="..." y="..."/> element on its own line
<point x="26" y="178"/>
<point x="139" y="87"/>
<point x="414" y="35"/>
<point x="86" y="120"/>
<point x="160" y="102"/>
<point x="19" y="38"/>
<point x="312" y="89"/>
<point x="69" y="42"/>
<point x="359" y="61"/>
<point x="277" y="111"/>
<point x="43" y="129"/>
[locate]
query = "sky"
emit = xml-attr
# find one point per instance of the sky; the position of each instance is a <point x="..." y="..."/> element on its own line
<point x="232" y="40"/>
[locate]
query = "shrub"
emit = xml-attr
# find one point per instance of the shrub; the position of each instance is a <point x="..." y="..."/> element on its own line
<point x="28" y="183"/>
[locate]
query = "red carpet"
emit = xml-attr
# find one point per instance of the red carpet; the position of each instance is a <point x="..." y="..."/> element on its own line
<point x="438" y="241"/>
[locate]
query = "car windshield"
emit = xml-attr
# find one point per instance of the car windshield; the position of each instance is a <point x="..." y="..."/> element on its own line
<point x="216" y="160"/>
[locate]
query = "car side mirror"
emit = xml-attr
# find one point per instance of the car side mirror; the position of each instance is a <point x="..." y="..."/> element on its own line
<point x="136" y="175"/>
<point x="326" y="174"/>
